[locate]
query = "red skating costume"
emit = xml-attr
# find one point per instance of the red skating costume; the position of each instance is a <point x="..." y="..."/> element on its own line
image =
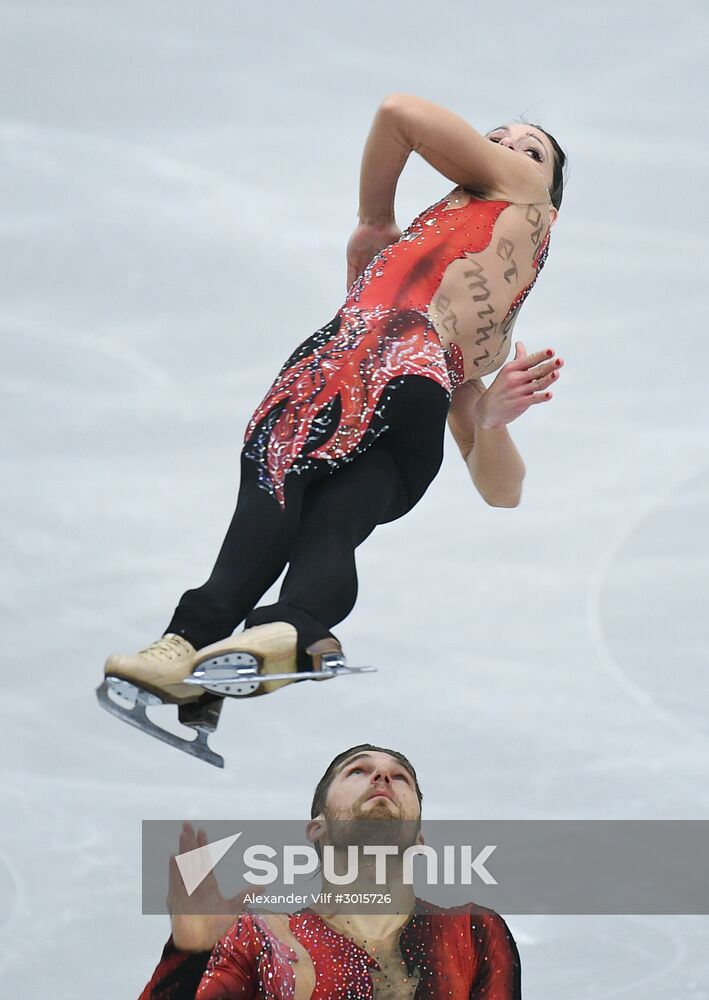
<point x="463" y="954"/>
<point x="350" y="435"/>
<point x="383" y="332"/>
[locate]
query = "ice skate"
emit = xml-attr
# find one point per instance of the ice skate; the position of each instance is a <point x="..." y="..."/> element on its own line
<point x="256" y="661"/>
<point x="155" y="676"/>
<point x="262" y="659"/>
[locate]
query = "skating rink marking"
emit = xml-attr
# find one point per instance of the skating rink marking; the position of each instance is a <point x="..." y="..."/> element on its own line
<point x="631" y="688"/>
<point x="673" y="963"/>
<point x="11" y="925"/>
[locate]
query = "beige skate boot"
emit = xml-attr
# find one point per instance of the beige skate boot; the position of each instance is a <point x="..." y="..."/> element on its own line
<point x="240" y="666"/>
<point x="262" y="659"/>
<point x="160" y="669"/>
<point x="257" y="661"/>
<point x="155" y="676"/>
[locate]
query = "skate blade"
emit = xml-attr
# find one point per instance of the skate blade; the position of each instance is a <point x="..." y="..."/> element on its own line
<point x="236" y="675"/>
<point x="134" y="713"/>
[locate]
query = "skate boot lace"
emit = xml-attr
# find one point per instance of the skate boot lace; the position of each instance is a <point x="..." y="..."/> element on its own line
<point x="169" y="647"/>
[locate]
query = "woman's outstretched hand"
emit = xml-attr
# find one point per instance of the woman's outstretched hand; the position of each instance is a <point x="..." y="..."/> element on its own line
<point x="366" y="241"/>
<point x="519" y="384"/>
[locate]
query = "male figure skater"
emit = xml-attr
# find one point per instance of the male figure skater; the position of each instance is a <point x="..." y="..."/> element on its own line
<point x="325" y="953"/>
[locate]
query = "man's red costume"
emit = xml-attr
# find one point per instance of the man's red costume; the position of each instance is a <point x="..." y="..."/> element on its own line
<point x="462" y="954"/>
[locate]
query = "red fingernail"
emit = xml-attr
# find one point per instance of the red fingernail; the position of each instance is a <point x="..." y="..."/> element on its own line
<point x="549" y="353"/>
<point x="548" y="395"/>
<point x="557" y="362"/>
<point x="554" y="375"/>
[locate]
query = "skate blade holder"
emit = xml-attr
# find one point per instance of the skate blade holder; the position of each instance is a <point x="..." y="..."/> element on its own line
<point x="202" y="716"/>
<point x="236" y="675"/>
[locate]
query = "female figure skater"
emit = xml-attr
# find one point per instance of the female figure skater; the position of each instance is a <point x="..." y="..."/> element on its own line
<point x="350" y="434"/>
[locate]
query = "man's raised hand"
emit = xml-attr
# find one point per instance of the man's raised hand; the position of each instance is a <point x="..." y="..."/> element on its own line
<point x="198" y="920"/>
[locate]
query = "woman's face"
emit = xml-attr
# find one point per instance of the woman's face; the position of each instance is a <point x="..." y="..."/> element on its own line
<point x="526" y="140"/>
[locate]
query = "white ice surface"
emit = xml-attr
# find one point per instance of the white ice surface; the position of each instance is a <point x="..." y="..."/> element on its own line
<point x="179" y="181"/>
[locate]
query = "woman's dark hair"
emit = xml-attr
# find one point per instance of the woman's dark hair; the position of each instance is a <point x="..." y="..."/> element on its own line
<point x="557" y="184"/>
<point x="323" y="786"/>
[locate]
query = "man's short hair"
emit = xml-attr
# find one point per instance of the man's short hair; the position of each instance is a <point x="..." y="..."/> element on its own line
<point x="335" y="765"/>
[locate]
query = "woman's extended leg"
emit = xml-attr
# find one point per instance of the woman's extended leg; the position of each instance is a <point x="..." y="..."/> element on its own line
<point x="340" y="512"/>
<point x="323" y="521"/>
<point x="254" y="552"/>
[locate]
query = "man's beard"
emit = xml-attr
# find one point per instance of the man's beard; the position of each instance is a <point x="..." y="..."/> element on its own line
<point x="372" y="826"/>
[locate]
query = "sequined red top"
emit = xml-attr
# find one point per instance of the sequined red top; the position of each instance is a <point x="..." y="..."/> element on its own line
<point x="454" y="954"/>
<point x="383" y="331"/>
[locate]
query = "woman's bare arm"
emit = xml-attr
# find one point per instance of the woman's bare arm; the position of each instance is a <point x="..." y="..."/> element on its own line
<point x="478" y="419"/>
<point x="494" y="464"/>
<point x="403" y="124"/>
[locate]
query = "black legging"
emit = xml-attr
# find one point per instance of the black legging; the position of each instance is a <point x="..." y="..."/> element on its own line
<point x="327" y="514"/>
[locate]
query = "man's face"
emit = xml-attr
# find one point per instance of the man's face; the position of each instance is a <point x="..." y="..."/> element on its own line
<point x="372" y="785"/>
